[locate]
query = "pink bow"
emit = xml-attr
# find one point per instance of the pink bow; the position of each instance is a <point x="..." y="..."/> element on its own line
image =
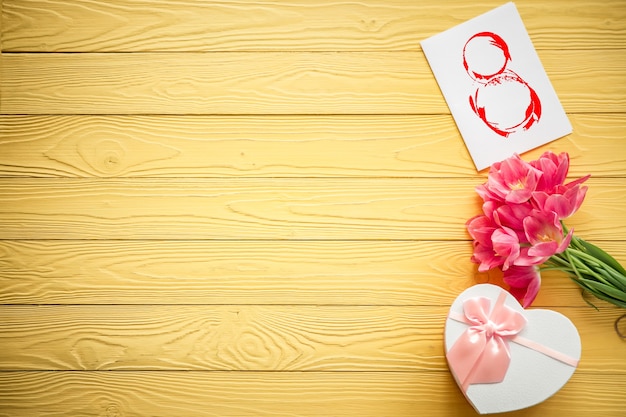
<point x="481" y="355"/>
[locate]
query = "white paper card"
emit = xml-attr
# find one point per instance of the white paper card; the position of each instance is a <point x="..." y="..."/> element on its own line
<point x="495" y="86"/>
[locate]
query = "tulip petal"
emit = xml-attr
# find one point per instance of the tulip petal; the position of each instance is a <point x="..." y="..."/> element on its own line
<point x="524" y="282"/>
<point x="543" y="249"/>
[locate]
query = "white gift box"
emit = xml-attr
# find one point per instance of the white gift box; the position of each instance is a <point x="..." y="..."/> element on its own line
<point x="486" y="328"/>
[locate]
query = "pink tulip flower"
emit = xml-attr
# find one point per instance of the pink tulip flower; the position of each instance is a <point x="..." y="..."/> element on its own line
<point x="486" y="194"/>
<point x="485" y="257"/>
<point x="512" y="180"/>
<point x="481" y="228"/>
<point x="545" y="234"/>
<point x="524" y="282"/>
<point x="565" y="202"/>
<point x="554" y="168"/>
<point x="512" y="216"/>
<point x="493" y="247"/>
<point x="506" y="246"/>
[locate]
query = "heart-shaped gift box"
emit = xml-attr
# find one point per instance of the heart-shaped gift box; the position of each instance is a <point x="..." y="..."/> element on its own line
<point x="505" y="358"/>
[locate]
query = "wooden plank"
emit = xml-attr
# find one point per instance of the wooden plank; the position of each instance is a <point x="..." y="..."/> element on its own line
<point x="278" y="83"/>
<point x="219" y="83"/>
<point x="142" y="25"/>
<point x="248" y="338"/>
<point x="216" y="394"/>
<point x="255" y="338"/>
<point x="247" y="208"/>
<point x="253" y="272"/>
<point x="275" y="146"/>
<point x="237" y="272"/>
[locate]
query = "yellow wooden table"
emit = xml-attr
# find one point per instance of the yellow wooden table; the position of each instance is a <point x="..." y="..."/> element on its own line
<point x="257" y="208"/>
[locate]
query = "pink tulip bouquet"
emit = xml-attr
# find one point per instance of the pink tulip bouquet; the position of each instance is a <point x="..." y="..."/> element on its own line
<point x="521" y="230"/>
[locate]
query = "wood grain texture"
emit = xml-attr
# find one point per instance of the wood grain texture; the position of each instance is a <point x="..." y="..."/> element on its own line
<point x="142" y="25"/>
<point x="257" y="208"/>
<point x="246" y="208"/>
<point x="276" y="146"/>
<point x="218" y="83"/>
<point x="278" y="83"/>
<point x="254" y="272"/>
<point x="212" y="394"/>
<point x="255" y="338"/>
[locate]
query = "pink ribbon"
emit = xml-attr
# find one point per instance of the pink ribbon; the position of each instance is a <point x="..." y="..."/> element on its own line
<point x="481" y="354"/>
